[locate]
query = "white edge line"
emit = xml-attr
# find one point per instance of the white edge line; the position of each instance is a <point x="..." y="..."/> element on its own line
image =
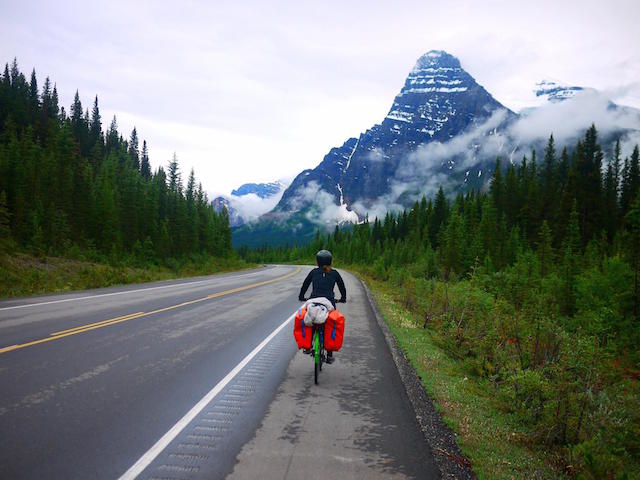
<point x="168" y="437"/>
<point x="120" y="293"/>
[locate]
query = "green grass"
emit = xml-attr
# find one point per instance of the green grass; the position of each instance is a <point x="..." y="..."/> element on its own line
<point x="23" y="274"/>
<point x="491" y="440"/>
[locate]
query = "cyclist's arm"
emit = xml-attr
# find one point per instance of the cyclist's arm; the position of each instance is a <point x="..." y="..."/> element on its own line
<point x="305" y="286"/>
<point x="343" y="290"/>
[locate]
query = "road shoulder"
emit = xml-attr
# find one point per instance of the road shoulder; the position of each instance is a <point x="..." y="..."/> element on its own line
<point x="357" y="423"/>
<point x="450" y="460"/>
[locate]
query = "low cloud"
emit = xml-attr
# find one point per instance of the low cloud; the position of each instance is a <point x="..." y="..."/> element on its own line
<point x="375" y="155"/>
<point x="432" y="165"/>
<point x="324" y="210"/>
<point x="569" y="119"/>
<point x="249" y="207"/>
<point x="448" y="164"/>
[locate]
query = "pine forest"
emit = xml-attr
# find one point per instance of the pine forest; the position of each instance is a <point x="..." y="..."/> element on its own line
<point x="68" y="186"/>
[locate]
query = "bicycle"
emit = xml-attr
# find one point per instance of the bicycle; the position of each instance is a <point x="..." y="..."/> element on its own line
<point x="317" y="348"/>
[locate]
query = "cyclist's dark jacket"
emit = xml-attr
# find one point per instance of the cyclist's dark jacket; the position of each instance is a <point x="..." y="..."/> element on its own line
<point x="323" y="284"/>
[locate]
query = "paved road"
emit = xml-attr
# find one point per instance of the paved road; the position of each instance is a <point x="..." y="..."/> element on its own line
<point x="196" y="379"/>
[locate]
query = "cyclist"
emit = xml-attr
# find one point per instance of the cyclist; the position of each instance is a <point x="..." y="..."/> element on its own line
<point x="324" y="278"/>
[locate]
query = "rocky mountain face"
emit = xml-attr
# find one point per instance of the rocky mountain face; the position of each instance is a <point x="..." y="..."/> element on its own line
<point x="235" y="219"/>
<point x="439" y="100"/>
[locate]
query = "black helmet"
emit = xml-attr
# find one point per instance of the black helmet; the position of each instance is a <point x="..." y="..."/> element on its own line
<point x="324" y="257"/>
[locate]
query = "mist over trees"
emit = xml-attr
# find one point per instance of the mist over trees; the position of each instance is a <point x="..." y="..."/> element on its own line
<point x="65" y="183"/>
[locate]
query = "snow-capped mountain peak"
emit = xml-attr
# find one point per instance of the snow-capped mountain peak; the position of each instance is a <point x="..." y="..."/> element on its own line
<point x="555" y="91"/>
<point x="439" y="101"/>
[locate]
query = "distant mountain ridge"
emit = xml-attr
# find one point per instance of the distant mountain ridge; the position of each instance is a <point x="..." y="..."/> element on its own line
<point x="262" y="190"/>
<point x="249" y="201"/>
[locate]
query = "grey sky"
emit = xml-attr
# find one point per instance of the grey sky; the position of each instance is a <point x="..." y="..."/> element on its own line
<point x="256" y="91"/>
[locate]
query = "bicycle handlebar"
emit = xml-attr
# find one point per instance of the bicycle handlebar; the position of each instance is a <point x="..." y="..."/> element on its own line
<point x="340" y="300"/>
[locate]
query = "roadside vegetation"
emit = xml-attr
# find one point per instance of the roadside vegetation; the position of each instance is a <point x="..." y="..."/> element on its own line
<point x="24" y="274"/>
<point x="81" y="208"/>
<point x="519" y="308"/>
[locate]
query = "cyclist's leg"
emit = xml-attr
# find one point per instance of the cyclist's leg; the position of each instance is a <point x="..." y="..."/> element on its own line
<point x="330" y="358"/>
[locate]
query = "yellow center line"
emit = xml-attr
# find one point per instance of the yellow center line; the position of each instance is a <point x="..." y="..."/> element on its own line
<point x="259" y="284"/>
<point x="131" y="316"/>
<point x="103" y="322"/>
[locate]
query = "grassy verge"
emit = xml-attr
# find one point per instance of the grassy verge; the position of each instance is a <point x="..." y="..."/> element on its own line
<point x="22" y="274"/>
<point x="489" y="437"/>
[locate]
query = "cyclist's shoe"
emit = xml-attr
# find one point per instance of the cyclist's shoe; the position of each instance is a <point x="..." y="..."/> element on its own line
<point x="306" y="351"/>
<point x="330" y="359"/>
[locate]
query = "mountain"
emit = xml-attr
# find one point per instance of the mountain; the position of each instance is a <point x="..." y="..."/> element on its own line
<point x="554" y="91"/>
<point x="249" y="201"/>
<point x="235" y="218"/>
<point x="262" y="190"/>
<point x="443" y="129"/>
<point x="438" y="102"/>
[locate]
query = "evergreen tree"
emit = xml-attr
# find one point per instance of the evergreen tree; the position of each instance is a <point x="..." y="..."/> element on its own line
<point x="175" y="182"/>
<point x="572" y="251"/>
<point x="134" y="153"/>
<point x="548" y="185"/>
<point x="611" y="200"/>
<point x="15" y="72"/>
<point x="615" y="161"/>
<point x="5" y="230"/>
<point x="145" y="167"/>
<point x="34" y="100"/>
<point x="590" y="192"/>
<point x="54" y="103"/>
<point x="512" y="196"/>
<point x="545" y="249"/>
<point x="633" y="252"/>
<point x="631" y="181"/>
<point x="192" y="213"/>
<point x="95" y="128"/>
<point x="113" y="138"/>
<point x="489" y="234"/>
<point x="496" y="189"/>
<point x="76" y="116"/>
<point x="453" y="246"/>
<point x="440" y="213"/>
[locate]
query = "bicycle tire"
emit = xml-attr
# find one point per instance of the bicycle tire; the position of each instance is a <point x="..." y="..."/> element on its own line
<point x="316" y="357"/>
<point x="316" y="372"/>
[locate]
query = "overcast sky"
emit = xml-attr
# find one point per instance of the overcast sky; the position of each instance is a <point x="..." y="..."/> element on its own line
<point x="257" y="91"/>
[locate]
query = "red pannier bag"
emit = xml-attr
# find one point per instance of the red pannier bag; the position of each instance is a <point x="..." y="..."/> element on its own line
<point x="334" y="331"/>
<point x="301" y="332"/>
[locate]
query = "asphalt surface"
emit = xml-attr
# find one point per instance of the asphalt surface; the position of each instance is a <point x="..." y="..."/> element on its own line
<point x="175" y="380"/>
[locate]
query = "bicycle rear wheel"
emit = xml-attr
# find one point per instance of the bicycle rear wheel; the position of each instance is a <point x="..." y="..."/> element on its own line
<point x="316" y="356"/>
<point x="316" y="371"/>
